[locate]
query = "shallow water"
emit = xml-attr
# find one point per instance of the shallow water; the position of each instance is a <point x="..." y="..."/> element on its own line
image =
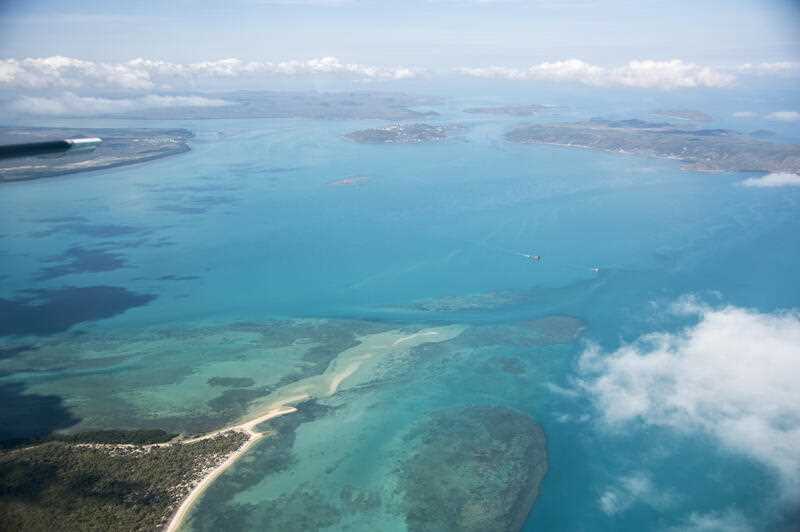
<point x="240" y="260"/>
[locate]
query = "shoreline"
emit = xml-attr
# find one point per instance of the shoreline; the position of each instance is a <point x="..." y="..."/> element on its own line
<point x="47" y="174"/>
<point x="327" y="384"/>
<point x="247" y="427"/>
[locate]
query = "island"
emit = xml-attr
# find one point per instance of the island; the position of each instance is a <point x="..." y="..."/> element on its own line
<point x="762" y="134"/>
<point x="684" y="114"/>
<point x="510" y="110"/>
<point x="86" y="483"/>
<point x="352" y="105"/>
<point x="120" y="147"/>
<point x="403" y="134"/>
<point x="700" y="149"/>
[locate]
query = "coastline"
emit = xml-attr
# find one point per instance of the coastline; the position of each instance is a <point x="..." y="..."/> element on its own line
<point x="105" y="166"/>
<point x="248" y="427"/>
<point x="327" y="384"/>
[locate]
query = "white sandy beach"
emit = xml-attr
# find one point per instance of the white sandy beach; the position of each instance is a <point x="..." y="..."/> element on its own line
<point x="253" y="436"/>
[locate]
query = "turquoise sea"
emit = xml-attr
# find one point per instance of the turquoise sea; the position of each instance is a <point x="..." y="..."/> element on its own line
<point x="191" y="291"/>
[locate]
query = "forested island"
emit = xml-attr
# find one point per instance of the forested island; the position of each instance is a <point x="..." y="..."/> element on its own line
<point x="402" y="134"/>
<point x="700" y="149"/>
<point x="76" y="485"/>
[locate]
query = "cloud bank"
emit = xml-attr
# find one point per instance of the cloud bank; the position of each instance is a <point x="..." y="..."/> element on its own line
<point x="732" y="376"/>
<point x="765" y="69"/>
<point x="67" y="73"/>
<point x="70" y="104"/>
<point x="60" y="72"/>
<point x="647" y="74"/>
<point x="780" y="116"/>
<point x="773" y="181"/>
<point x="785" y="116"/>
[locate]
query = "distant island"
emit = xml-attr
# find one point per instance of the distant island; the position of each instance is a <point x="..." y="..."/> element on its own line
<point x="684" y="114"/>
<point x="510" y="110"/>
<point x="354" y="105"/>
<point x="700" y="149"/>
<point x="120" y="147"/>
<point x="403" y="134"/>
<point x="762" y="133"/>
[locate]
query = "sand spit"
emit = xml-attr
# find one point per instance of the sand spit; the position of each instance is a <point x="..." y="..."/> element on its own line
<point x="281" y="402"/>
<point x="253" y="436"/>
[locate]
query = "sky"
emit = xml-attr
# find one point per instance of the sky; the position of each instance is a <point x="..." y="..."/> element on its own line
<point x="59" y="56"/>
<point x="429" y="34"/>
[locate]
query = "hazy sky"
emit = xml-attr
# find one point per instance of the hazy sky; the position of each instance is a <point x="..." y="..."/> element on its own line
<point x="417" y="33"/>
<point x="63" y="57"/>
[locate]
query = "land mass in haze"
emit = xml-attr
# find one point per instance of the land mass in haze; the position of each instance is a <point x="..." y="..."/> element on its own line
<point x="120" y="147"/>
<point x="700" y="149"/>
<point x="684" y="114"/>
<point x="355" y="105"/>
<point x="510" y="110"/>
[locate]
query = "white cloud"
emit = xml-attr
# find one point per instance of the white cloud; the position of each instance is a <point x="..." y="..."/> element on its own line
<point x="68" y="73"/>
<point x="744" y="114"/>
<point x="331" y="65"/>
<point x="784" y="116"/>
<point x="778" y="67"/>
<point x="773" y="180"/>
<point x="728" y="521"/>
<point x="74" y="105"/>
<point x="646" y="74"/>
<point x="733" y="376"/>
<point x="145" y="74"/>
<point x="633" y="489"/>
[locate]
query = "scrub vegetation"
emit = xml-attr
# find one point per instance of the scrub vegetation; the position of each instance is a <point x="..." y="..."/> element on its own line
<point x="62" y="485"/>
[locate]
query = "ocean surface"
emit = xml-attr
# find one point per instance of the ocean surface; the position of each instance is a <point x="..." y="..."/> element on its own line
<point x="191" y="291"/>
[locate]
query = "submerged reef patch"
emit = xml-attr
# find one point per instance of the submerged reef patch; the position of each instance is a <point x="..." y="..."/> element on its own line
<point x="470" y="302"/>
<point x="511" y="365"/>
<point x="234" y="402"/>
<point x="79" y="259"/>
<point x="11" y="352"/>
<point x="231" y="382"/>
<point x="472" y="469"/>
<point x="77" y="225"/>
<point x="530" y="333"/>
<point x="26" y="417"/>
<point x="49" y="311"/>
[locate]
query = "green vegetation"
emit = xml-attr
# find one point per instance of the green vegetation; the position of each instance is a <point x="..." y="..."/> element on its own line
<point x="66" y="486"/>
<point x="136" y="437"/>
